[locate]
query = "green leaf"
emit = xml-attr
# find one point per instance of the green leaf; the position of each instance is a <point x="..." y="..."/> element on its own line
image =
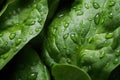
<point x="26" y="65"/>
<point x="4" y="6"/>
<point x="86" y="35"/>
<point x="68" y="72"/>
<point x="22" y="21"/>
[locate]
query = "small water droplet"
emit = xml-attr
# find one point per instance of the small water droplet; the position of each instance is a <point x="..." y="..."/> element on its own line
<point x="61" y="15"/>
<point x="109" y="35"/>
<point x="73" y="37"/>
<point x="110" y="15"/>
<point x="31" y="32"/>
<point x="12" y="36"/>
<point x="65" y="36"/>
<point x="97" y="18"/>
<point x="96" y="5"/>
<point x="37" y="29"/>
<point x="117" y="52"/>
<point x="68" y="60"/>
<point x="79" y="13"/>
<point x="111" y="3"/>
<point x="101" y="54"/>
<point x="90" y="19"/>
<point x="40" y="20"/>
<point x="66" y="24"/>
<point x="18" y="41"/>
<point x="24" y="39"/>
<point x="116" y="61"/>
<point x="86" y="6"/>
<point x="33" y="76"/>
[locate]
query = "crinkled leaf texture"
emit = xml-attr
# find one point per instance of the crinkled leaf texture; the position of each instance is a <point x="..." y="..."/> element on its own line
<point x="22" y="21"/>
<point x="86" y="35"/>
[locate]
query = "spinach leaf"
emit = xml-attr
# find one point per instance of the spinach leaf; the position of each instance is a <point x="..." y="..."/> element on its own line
<point x="26" y="65"/>
<point x="22" y="21"/>
<point x="69" y="72"/>
<point x="86" y="35"/>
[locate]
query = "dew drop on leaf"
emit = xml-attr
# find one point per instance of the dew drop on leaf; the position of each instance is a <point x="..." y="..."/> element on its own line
<point x="12" y="36"/>
<point x="96" y="5"/>
<point x="97" y="18"/>
<point x="18" y="41"/>
<point x="65" y="36"/>
<point x="111" y="3"/>
<point x="73" y="37"/>
<point x="33" y="76"/>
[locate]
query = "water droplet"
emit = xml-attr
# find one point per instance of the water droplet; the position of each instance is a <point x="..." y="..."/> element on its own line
<point x="115" y="61"/>
<point x="97" y="18"/>
<point x="68" y="60"/>
<point x="110" y="15"/>
<point x="40" y="20"/>
<point x="31" y="32"/>
<point x="79" y="13"/>
<point x="66" y="24"/>
<point x="65" y="36"/>
<point x="111" y="3"/>
<point x="86" y="6"/>
<point x="33" y="76"/>
<point x="90" y="19"/>
<point x="24" y="39"/>
<point x="18" y="41"/>
<point x="1" y="34"/>
<point x="73" y="37"/>
<point x="109" y="35"/>
<point x="30" y="22"/>
<point x="37" y="29"/>
<point x="117" y="52"/>
<point x="12" y="36"/>
<point x="101" y="54"/>
<point x="96" y="5"/>
<point x="61" y="15"/>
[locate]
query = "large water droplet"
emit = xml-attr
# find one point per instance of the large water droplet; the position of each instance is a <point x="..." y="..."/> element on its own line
<point x="111" y="3"/>
<point x="12" y="36"/>
<point x="96" y="5"/>
<point x="66" y="24"/>
<point x="31" y="32"/>
<point x="86" y="6"/>
<point x="109" y="35"/>
<point x="97" y="18"/>
<point x="73" y="37"/>
<point x="65" y="36"/>
<point x="18" y="41"/>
